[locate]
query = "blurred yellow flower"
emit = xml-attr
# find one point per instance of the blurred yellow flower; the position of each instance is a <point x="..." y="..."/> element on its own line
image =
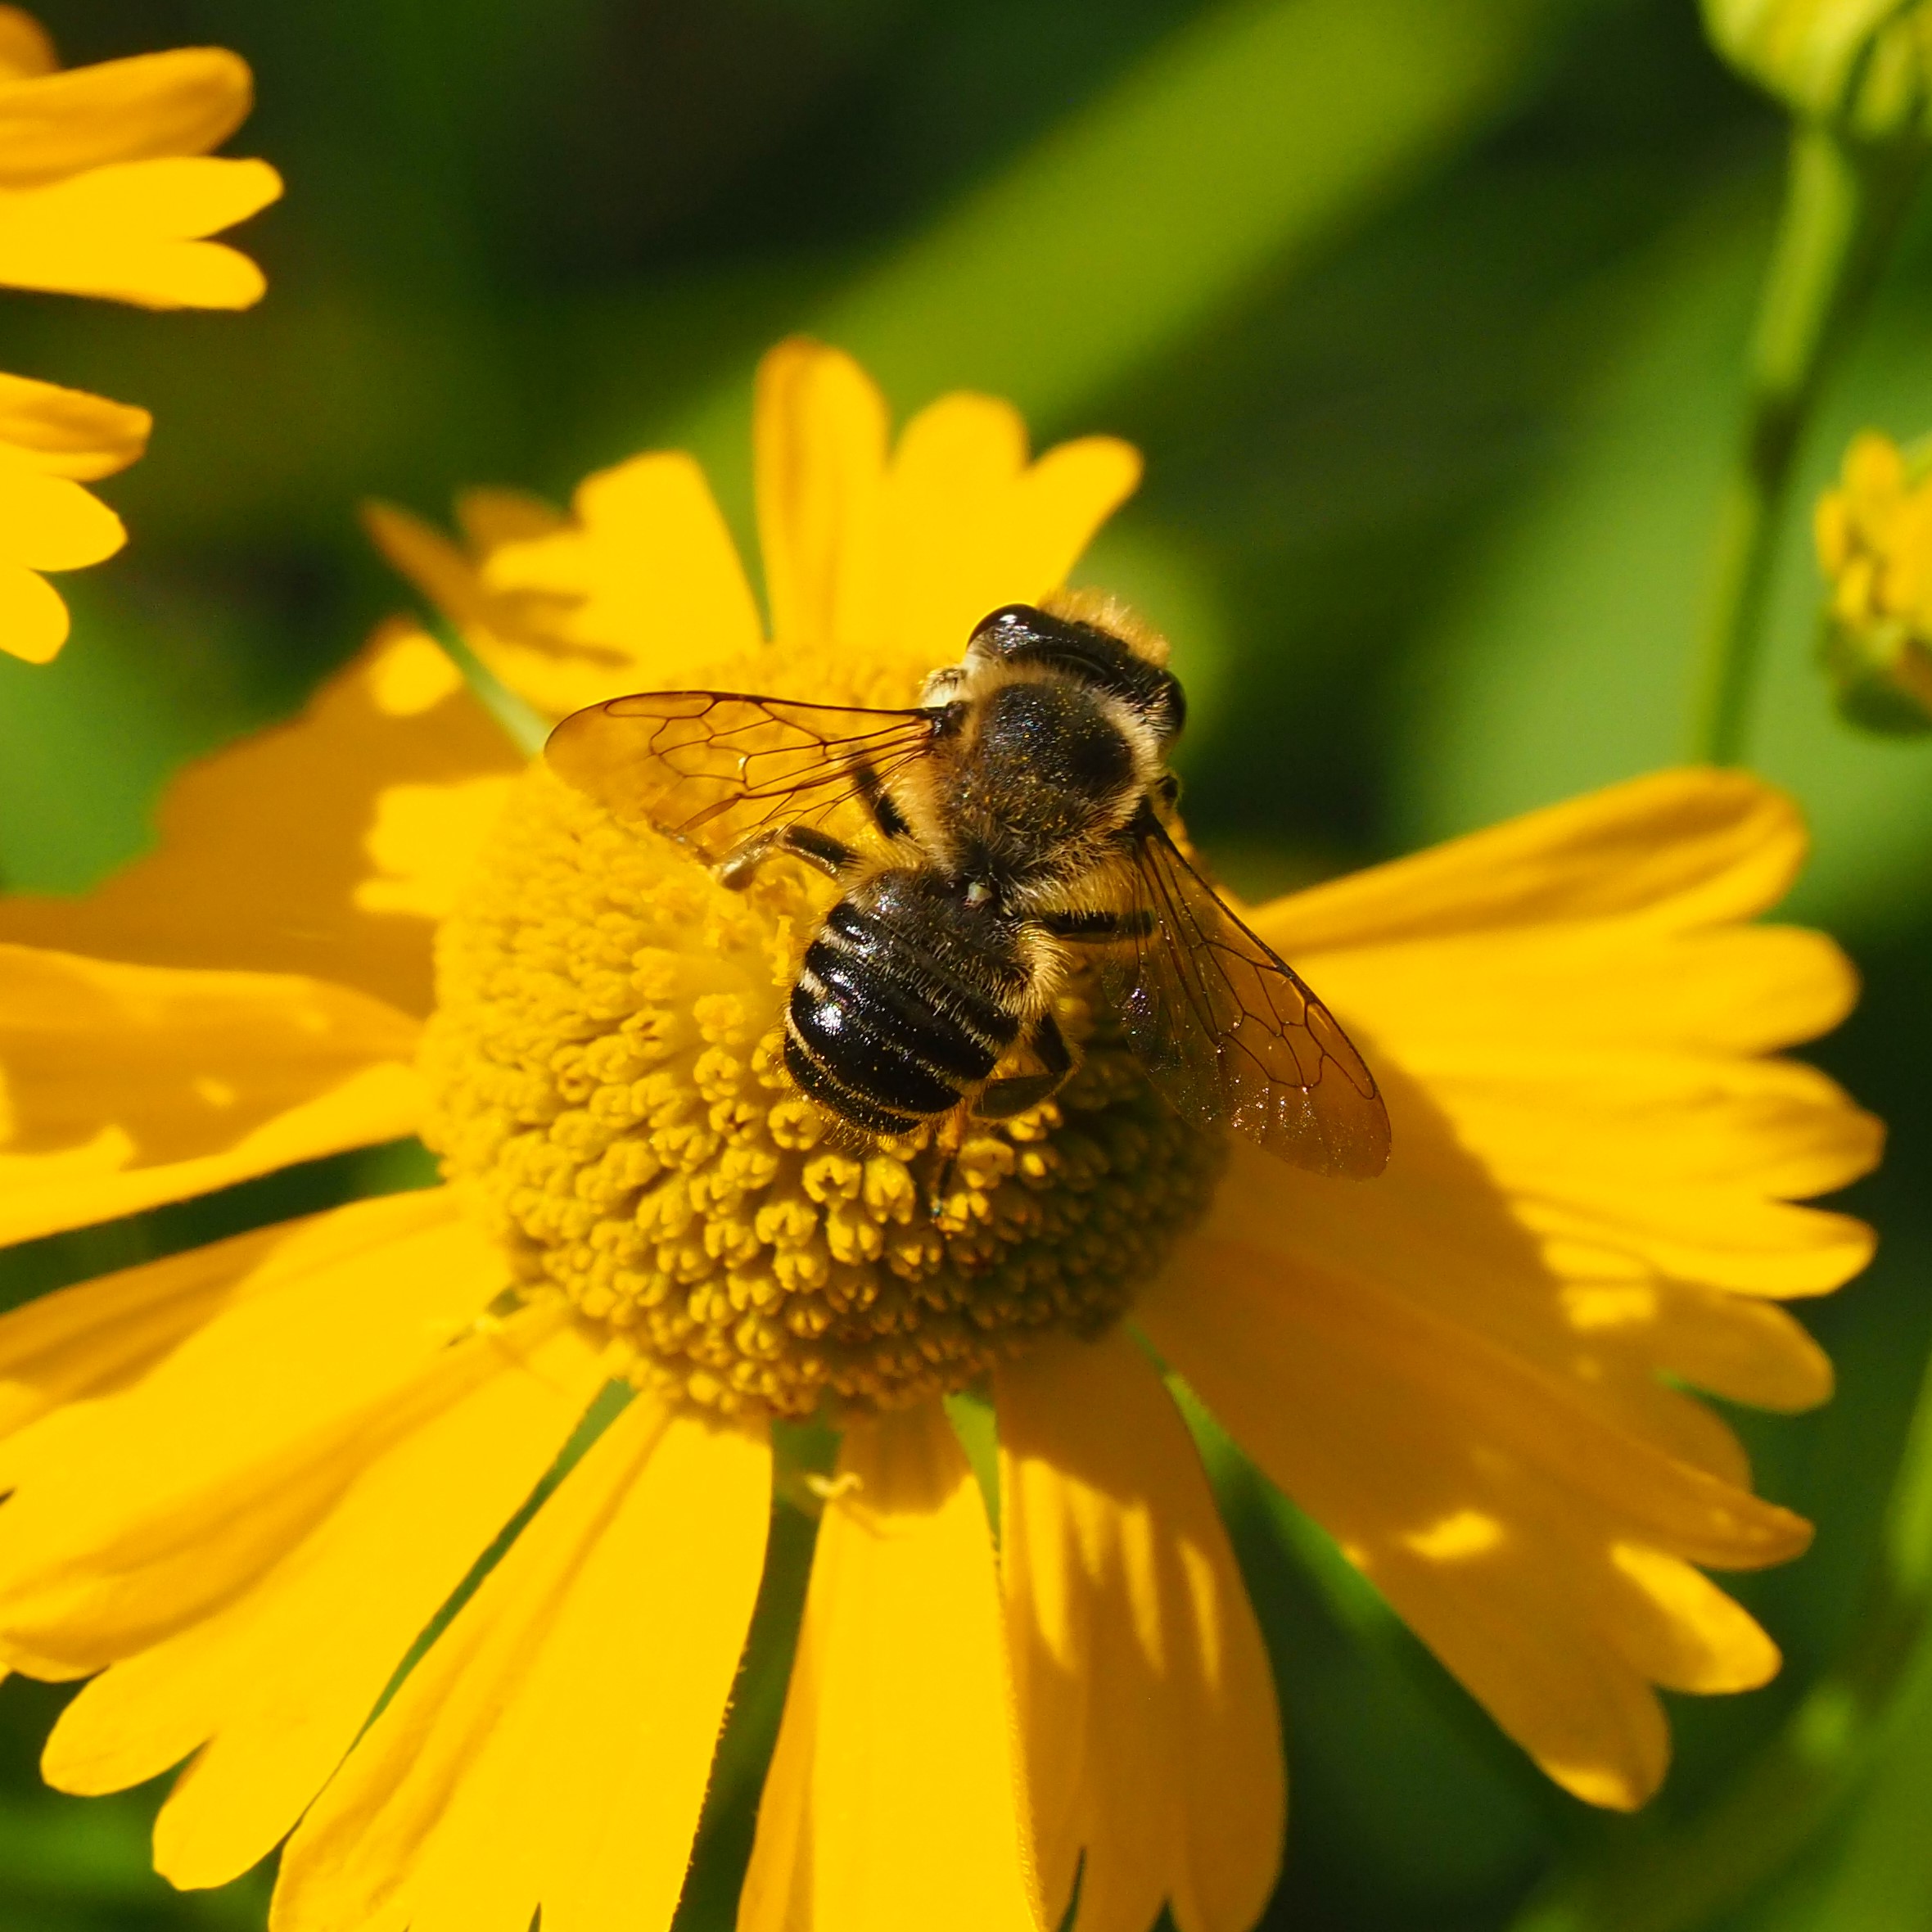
<point x="1874" y="535"/>
<point x="1862" y="65"/>
<point x="243" y="1479"/>
<point x="106" y="189"/>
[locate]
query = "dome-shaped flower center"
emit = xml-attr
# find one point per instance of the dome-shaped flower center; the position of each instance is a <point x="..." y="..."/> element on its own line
<point x="608" y="1083"/>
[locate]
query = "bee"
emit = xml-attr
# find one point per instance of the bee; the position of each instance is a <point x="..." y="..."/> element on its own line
<point x="1014" y="824"/>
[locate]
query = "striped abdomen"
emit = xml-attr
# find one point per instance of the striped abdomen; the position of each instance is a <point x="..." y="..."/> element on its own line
<point x="907" y="998"/>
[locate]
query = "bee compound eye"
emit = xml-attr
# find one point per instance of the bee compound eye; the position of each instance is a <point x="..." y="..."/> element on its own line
<point x="1008" y="628"/>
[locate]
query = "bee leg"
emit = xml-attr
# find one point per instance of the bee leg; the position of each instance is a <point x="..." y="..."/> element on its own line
<point x="1001" y="1099"/>
<point x="831" y="855"/>
<point x="878" y="801"/>
<point x="949" y="1134"/>
<point x="1099" y="928"/>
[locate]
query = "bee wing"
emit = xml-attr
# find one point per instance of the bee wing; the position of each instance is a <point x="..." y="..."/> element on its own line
<point x="1231" y="1036"/>
<point x="715" y="767"/>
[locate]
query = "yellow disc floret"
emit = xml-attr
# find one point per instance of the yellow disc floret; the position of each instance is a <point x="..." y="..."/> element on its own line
<point x="608" y="1081"/>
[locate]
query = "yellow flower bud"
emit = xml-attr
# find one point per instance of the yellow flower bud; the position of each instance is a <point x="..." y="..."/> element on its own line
<point x="1874" y="544"/>
<point x="1865" y="66"/>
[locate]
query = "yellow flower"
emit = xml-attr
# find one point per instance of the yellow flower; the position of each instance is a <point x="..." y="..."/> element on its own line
<point x="1865" y="66"/>
<point x="244" y="1479"/>
<point x="106" y="188"/>
<point x="1874" y="545"/>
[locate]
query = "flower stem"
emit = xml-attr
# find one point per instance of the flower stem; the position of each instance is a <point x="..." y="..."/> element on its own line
<point x="1843" y="204"/>
<point x="527" y="731"/>
<point x="1676" y="1877"/>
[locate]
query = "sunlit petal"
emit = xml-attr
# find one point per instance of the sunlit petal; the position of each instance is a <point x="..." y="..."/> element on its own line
<point x="578" y="1695"/>
<point x="263" y="860"/>
<point x="122" y="1086"/>
<point x="1145" y="1694"/>
<point x="136" y="1514"/>
<point x="895" y="1795"/>
<point x="271" y="1689"/>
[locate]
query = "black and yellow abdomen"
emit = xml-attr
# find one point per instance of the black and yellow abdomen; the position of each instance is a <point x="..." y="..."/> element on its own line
<point x="907" y="998"/>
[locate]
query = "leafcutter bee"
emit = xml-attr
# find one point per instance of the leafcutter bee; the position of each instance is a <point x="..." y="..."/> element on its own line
<point x="1013" y="824"/>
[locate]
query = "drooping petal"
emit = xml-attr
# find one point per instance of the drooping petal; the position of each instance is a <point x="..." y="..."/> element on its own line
<point x="1592" y="1164"/>
<point x="125" y="1087"/>
<point x="181" y="102"/>
<point x="1473" y="1370"/>
<point x="131" y="232"/>
<point x="263" y="862"/>
<point x="1145" y="1694"/>
<point x="271" y="1689"/>
<point x="651" y="571"/>
<point x="896" y="1796"/>
<point x="820" y="432"/>
<point x="1539" y="1551"/>
<point x="551" y="1749"/>
<point x="135" y="1514"/>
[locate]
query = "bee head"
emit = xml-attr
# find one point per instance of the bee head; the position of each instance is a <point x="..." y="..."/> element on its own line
<point x="1092" y="639"/>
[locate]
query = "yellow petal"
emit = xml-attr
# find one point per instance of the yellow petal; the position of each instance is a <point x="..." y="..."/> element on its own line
<point x="819" y="431"/>
<point x="425" y="841"/>
<point x="1588" y="1154"/>
<point x="138" y="1513"/>
<point x="1874" y="471"/>
<point x="1676" y="1626"/>
<point x="1143" y="1691"/>
<point x="1679" y="849"/>
<point x="67" y="432"/>
<point x="551" y="1749"/>
<point x="93" y="1337"/>
<point x="262" y="858"/>
<point x="971" y="526"/>
<point x="894" y="1797"/>
<point x="183" y="102"/>
<point x="1494" y="1510"/>
<point x="50" y="524"/>
<point x="1612" y="982"/>
<point x="127" y="1085"/>
<point x="127" y="232"/>
<point x="33" y="619"/>
<point x="488" y="517"/>
<point x="26" y="50"/>
<point x="45" y="1193"/>
<point x="650" y="567"/>
<point x="910" y="554"/>
<point x="520" y="634"/>
<point x="271" y="1688"/>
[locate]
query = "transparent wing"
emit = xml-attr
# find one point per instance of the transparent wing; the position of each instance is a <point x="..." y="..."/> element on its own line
<point x="715" y="767"/>
<point x="1232" y="1036"/>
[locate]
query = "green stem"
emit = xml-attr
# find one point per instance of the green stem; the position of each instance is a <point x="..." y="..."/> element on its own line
<point x="527" y="731"/>
<point x="1843" y="204"/>
<point x="1681" y="1876"/>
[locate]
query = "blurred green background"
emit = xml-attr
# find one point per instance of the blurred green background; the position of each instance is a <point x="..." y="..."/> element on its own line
<point x="1428" y="315"/>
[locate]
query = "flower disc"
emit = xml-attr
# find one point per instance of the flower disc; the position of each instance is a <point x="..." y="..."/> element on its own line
<point x="606" y="1066"/>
